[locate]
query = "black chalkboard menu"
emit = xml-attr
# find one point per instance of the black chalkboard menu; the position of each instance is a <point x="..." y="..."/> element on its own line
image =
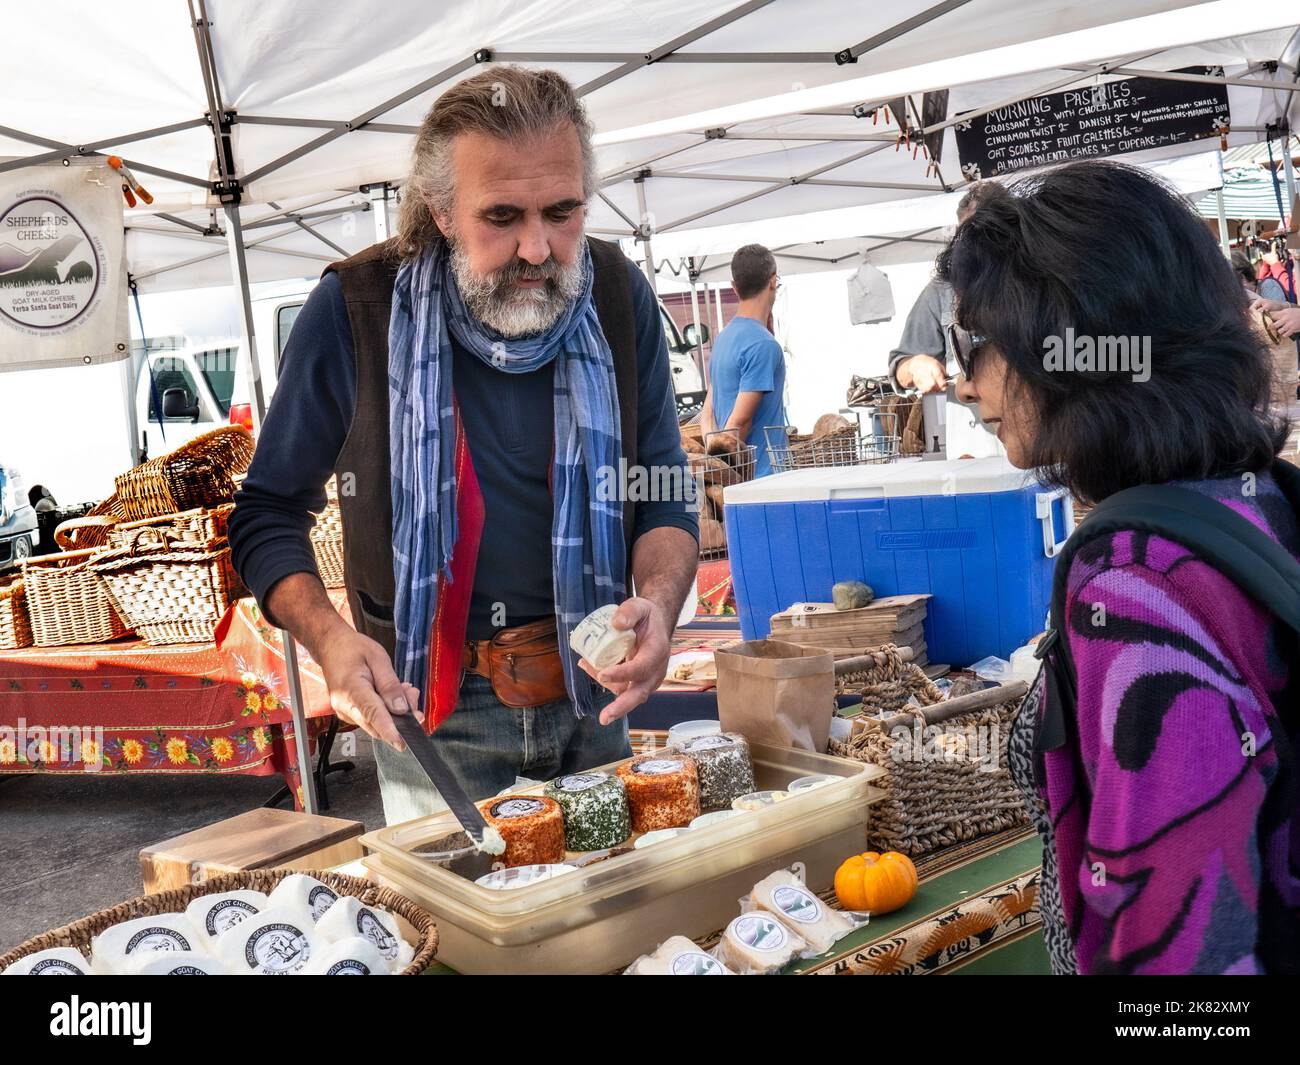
<point x="1110" y="118"/>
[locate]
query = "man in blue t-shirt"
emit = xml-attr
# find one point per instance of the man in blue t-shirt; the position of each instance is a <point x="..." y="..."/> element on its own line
<point x="747" y="368"/>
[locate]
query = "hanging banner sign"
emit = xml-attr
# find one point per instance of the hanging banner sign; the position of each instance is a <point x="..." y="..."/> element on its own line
<point x="62" y="266"/>
<point x="1109" y="118"/>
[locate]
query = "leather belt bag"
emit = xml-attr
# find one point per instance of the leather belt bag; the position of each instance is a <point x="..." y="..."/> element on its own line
<point x="522" y="663"/>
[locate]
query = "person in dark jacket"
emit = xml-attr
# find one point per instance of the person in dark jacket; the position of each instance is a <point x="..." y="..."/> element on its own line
<point x="484" y="387"/>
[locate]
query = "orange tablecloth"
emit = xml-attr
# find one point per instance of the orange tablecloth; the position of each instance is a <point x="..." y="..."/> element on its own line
<point x="127" y="707"/>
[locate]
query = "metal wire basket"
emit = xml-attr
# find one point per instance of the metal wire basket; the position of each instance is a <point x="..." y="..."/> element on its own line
<point x="846" y="446"/>
<point x="714" y="471"/>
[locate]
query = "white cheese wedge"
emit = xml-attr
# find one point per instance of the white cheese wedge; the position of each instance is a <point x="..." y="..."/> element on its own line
<point x="299" y="889"/>
<point x="758" y="943"/>
<point x="353" y="956"/>
<point x="785" y="897"/>
<point x="595" y="638"/>
<point x="279" y="941"/>
<point x="678" y="956"/>
<point x="110" y="949"/>
<point x="212" y="915"/>
<point x="57" y="961"/>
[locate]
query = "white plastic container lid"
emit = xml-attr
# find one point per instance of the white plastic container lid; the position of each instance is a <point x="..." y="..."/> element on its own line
<point x="892" y="480"/>
<point x="688" y="730"/>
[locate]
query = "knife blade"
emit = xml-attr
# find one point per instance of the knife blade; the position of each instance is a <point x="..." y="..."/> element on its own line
<point x="474" y="865"/>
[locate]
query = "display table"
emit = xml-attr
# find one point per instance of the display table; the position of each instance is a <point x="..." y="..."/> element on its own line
<point x="127" y="707"/>
<point x="976" y="910"/>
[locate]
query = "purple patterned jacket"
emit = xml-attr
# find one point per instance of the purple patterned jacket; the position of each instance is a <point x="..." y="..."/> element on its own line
<point x="1176" y="817"/>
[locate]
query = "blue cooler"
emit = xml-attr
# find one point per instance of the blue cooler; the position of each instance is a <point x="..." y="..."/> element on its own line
<point x="978" y="535"/>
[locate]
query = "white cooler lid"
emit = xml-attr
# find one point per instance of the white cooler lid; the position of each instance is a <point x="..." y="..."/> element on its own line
<point x="893" y="480"/>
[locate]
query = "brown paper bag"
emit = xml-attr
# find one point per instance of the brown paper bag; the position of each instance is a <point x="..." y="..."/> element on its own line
<point x="1283" y="352"/>
<point x="776" y="693"/>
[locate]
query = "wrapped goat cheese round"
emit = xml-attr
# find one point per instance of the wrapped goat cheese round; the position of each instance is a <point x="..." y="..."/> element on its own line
<point x="663" y="791"/>
<point x="351" y="956"/>
<point x="299" y="889"/>
<point x="678" y="956"/>
<point x="212" y="915"/>
<point x="349" y="917"/>
<point x="176" y="963"/>
<point x="724" y="767"/>
<point x="277" y="942"/>
<point x="594" y="806"/>
<point x="56" y="961"/>
<point x="531" y="825"/>
<point x="111" y="949"/>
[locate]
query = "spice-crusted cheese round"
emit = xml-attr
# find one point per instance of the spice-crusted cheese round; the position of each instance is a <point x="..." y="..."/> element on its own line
<point x="724" y="767"/>
<point x="531" y="825"/>
<point x="663" y="791"/>
<point x="595" y="810"/>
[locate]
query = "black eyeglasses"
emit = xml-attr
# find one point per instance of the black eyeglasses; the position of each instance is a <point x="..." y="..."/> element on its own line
<point x="964" y="347"/>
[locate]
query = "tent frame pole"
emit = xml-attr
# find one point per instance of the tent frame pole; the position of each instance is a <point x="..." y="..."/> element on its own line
<point x="228" y="189"/>
<point x="695" y="314"/>
<point x="644" y="232"/>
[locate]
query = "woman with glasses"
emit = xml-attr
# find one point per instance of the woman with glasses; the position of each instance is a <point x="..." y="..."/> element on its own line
<point x="1105" y="339"/>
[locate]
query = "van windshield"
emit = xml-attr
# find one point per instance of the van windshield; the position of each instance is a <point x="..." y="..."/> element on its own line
<point x="218" y="369"/>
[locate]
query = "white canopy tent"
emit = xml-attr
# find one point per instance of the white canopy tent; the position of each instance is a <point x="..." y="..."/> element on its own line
<point x="266" y="130"/>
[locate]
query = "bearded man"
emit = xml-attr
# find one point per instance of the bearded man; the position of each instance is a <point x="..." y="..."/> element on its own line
<point x="474" y="383"/>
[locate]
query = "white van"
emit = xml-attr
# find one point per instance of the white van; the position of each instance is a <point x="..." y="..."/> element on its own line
<point x="192" y="390"/>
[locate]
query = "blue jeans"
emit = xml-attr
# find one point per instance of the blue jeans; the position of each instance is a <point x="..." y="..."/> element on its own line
<point x="488" y="745"/>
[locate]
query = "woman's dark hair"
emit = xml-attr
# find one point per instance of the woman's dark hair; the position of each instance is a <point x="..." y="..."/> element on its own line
<point x="1104" y="250"/>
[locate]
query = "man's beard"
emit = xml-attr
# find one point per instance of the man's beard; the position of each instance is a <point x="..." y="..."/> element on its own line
<point x="496" y="301"/>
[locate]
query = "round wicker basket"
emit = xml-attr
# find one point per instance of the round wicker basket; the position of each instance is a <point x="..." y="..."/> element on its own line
<point x="79" y="933"/>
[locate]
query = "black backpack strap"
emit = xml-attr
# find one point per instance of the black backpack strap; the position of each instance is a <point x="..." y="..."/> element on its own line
<point x="1223" y="539"/>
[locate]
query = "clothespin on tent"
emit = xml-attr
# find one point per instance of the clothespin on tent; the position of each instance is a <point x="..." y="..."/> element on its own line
<point x="130" y="186"/>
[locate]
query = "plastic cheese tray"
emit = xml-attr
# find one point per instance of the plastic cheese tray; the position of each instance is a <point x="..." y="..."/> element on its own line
<point x="603" y="916"/>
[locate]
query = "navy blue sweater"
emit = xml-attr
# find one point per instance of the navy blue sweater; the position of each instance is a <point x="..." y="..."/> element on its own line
<point x="509" y="424"/>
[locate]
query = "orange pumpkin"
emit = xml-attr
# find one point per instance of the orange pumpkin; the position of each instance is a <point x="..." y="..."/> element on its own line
<point x="876" y="883"/>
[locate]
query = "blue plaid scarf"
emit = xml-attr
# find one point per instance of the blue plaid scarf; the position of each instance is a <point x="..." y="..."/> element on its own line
<point x="587" y="548"/>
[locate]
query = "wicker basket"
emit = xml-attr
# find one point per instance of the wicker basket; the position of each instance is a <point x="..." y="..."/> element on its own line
<point x="92" y="528"/>
<point x="201" y="525"/>
<point x="327" y="539"/>
<point x="197" y="474"/>
<point x="67" y="602"/>
<point x="952" y="786"/>
<point x="15" y="628"/>
<point x="79" y="934"/>
<point x="170" y="589"/>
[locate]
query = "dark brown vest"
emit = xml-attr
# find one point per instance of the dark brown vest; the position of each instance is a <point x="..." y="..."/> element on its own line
<point x="365" y="500"/>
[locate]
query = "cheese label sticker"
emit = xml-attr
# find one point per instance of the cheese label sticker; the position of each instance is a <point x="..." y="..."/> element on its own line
<point x="760" y="933"/>
<point x="186" y="970"/>
<point x="373" y="929"/>
<point x="581" y="781"/>
<point x="319" y="900"/>
<point x="148" y="939"/>
<point x="708" y="743"/>
<point x="696" y="963"/>
<point x="658" y="767"/>
<point x="226" y="915"/>
<point x="797" y="904"/>
<point x="348" y="967"/>
<point x="54" y="967"/>
<point x="516" y="808"/>
<point x="277" y="948"/>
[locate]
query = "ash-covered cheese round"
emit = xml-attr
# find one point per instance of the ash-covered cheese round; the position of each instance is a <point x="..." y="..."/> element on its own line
<point x="724" y="767"/>
<point x="595" y="638"/>
<point x="531" y="825"/>
<point x="595" y="810"/>
<point x="663" y="791"/>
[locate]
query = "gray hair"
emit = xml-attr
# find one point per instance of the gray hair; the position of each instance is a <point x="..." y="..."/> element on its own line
<point x="513" y="104"/>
